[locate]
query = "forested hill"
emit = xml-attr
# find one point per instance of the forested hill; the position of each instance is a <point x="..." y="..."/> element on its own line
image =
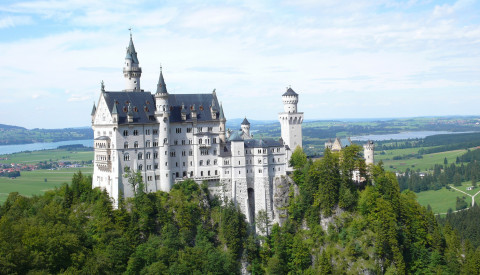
<point x="333" y="226"/>
<point x="19" y="135"/>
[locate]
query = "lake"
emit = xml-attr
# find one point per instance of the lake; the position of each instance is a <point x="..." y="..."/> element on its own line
<point x="10" y="149"/>
<point x="403" y="135"/>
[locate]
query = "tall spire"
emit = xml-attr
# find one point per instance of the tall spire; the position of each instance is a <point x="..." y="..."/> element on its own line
<point x="161" y="86"/>
<point x="131" y="53"/>
<point x="115" y="110"/>
<point x="221" y="116"/>
<point x="94" y="109"/>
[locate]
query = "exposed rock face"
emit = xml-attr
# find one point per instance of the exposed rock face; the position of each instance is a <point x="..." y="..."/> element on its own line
<point x="281" y="190"/>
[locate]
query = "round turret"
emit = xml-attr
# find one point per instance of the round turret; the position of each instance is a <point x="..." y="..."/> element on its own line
<point x="368" y="152"/>
<point x="290" y="100"/>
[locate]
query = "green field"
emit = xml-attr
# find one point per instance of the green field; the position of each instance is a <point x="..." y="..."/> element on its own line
<point x="424" y="164"/>
<point x="33" y="182"/>
<point x="47" y="155"/>
<point x="443" y="199"/>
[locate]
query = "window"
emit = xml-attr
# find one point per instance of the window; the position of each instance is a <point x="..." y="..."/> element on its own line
<point x="184" y="153"/>
<point x="135" y="132"/>
<point x="175" y="142"/>
<point x="155" y="166"/>
<point x="199" y="141"/>
<point x="155" y="155"/>
<point x="208" y="162"/>
<point x="135" y="144"/>
<point x="190" y="153"/>
<point x="147" y="143"/>
<point x="149" y="167"/>
<point x="149" y="178"/>
<point x="210" y="129"/>
<point x="209" y="172"/>
<point x="155" y="132"/>
<point x="214" y="140"/>
<point x="189" y="130"/>
<point x="260" y="171"/>
<point x="259" y="161"/>
<point x="184" y="164"/>
<point x="140" y="156"/>
<point x="201" y="162"/>
<point x="183" y="142"/>
<point x="199" y="129"/>
<point x="178" y="130"/>
<point x="176" y="164"/>
<point x="239" y="172"/>
<point x="126" y="157"/>
<point x="147" y="155"/>
<point x="125" y="133"/>
<point x="140" y="167"/>
<point x="125" y="145"/>
<point x="157" y="177"/>
<point x="176" y="174"/>
<point x="166" y="163"/>
<point x="155" y="143"/>
<point x="215" y="162"/>
<point x="172" y="154"/>
<point x="147" y="132"/>
<point x="164" y="141"/>
<point x="201" y="173"/>
<point x="216" y="172"/>
<point x="214" y="152"/>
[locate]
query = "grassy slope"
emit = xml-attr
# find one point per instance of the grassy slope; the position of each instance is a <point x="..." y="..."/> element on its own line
<point x="46" y="155"/>
<point x="443" y="199"/>
<point x="33" y="182"/>
<point x="425" y="163"/>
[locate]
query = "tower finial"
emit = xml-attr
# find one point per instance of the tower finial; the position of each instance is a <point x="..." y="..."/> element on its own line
<point x="102" y="86"/>
<point x="130" y="29"/>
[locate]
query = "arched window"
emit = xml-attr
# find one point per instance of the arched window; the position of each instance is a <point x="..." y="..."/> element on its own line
<point x="126" y="157"/>
<point x="140" y="167"/>
<point x="140" y="156"/>
<point x="147" y="143"/>
<point x="125" y="145"/>
<point x="135" y="144"/>
<point x="147" y="155"/>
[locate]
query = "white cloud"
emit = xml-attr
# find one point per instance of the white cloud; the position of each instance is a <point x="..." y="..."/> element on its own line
<point x="13" y="21"/>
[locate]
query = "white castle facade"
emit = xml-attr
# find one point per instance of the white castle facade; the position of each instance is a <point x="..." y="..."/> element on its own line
<point x="171" y="137"/>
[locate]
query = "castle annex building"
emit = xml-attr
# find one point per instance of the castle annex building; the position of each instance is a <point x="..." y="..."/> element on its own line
<point x="171" y="137"/>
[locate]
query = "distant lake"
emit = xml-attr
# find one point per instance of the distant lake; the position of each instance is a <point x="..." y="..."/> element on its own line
<point x="403" y="135"/>
<point x="10" y="149"/>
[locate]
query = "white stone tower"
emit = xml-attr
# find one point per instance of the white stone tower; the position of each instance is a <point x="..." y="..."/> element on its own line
<point x="291" y="120"/>
<point x="162" y="114"/>
<point x="246" y="127"/>
<point x="132" y="71"/>
<point x="223" y="121"/>
<point x="368" y="151"/>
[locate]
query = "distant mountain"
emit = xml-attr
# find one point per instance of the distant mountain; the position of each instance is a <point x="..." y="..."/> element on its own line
<point x="10" y="127"/>
<point x="18" y="135"/>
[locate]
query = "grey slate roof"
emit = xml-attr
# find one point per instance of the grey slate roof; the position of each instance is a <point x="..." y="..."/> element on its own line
<point x="131" y="53"/>
<point x="261" y="143"/>
<point x="245" y="122"/>
<point x="199" y="102"/>
<point x="143" y="106"/>
<point x="236" y="136"/>
<point x="345" y="142"/>
<point x="290" y="92"/>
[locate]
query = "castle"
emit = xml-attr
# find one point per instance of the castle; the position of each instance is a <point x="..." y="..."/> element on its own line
<point x="171" y="137"/>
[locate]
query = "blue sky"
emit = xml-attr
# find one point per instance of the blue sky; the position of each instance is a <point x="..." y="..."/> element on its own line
<point x="346" y="59"/>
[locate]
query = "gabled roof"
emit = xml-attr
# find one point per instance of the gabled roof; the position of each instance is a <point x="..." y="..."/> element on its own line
<point x="131" y="53"/>
<point x="290" y="92"/>
<point x="245" y="122"/>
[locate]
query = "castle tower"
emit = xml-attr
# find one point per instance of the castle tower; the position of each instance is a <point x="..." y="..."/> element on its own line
<point x="368" y="151"/>
<point x="291" y="120"/>
<point x="162" y="114"/>
<point x="132" y="72"/>
<point x="223" y="121"/>
<point x="246" y="127"/>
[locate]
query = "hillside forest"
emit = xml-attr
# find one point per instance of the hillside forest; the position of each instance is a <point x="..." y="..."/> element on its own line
<point x="334" y="226"/>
